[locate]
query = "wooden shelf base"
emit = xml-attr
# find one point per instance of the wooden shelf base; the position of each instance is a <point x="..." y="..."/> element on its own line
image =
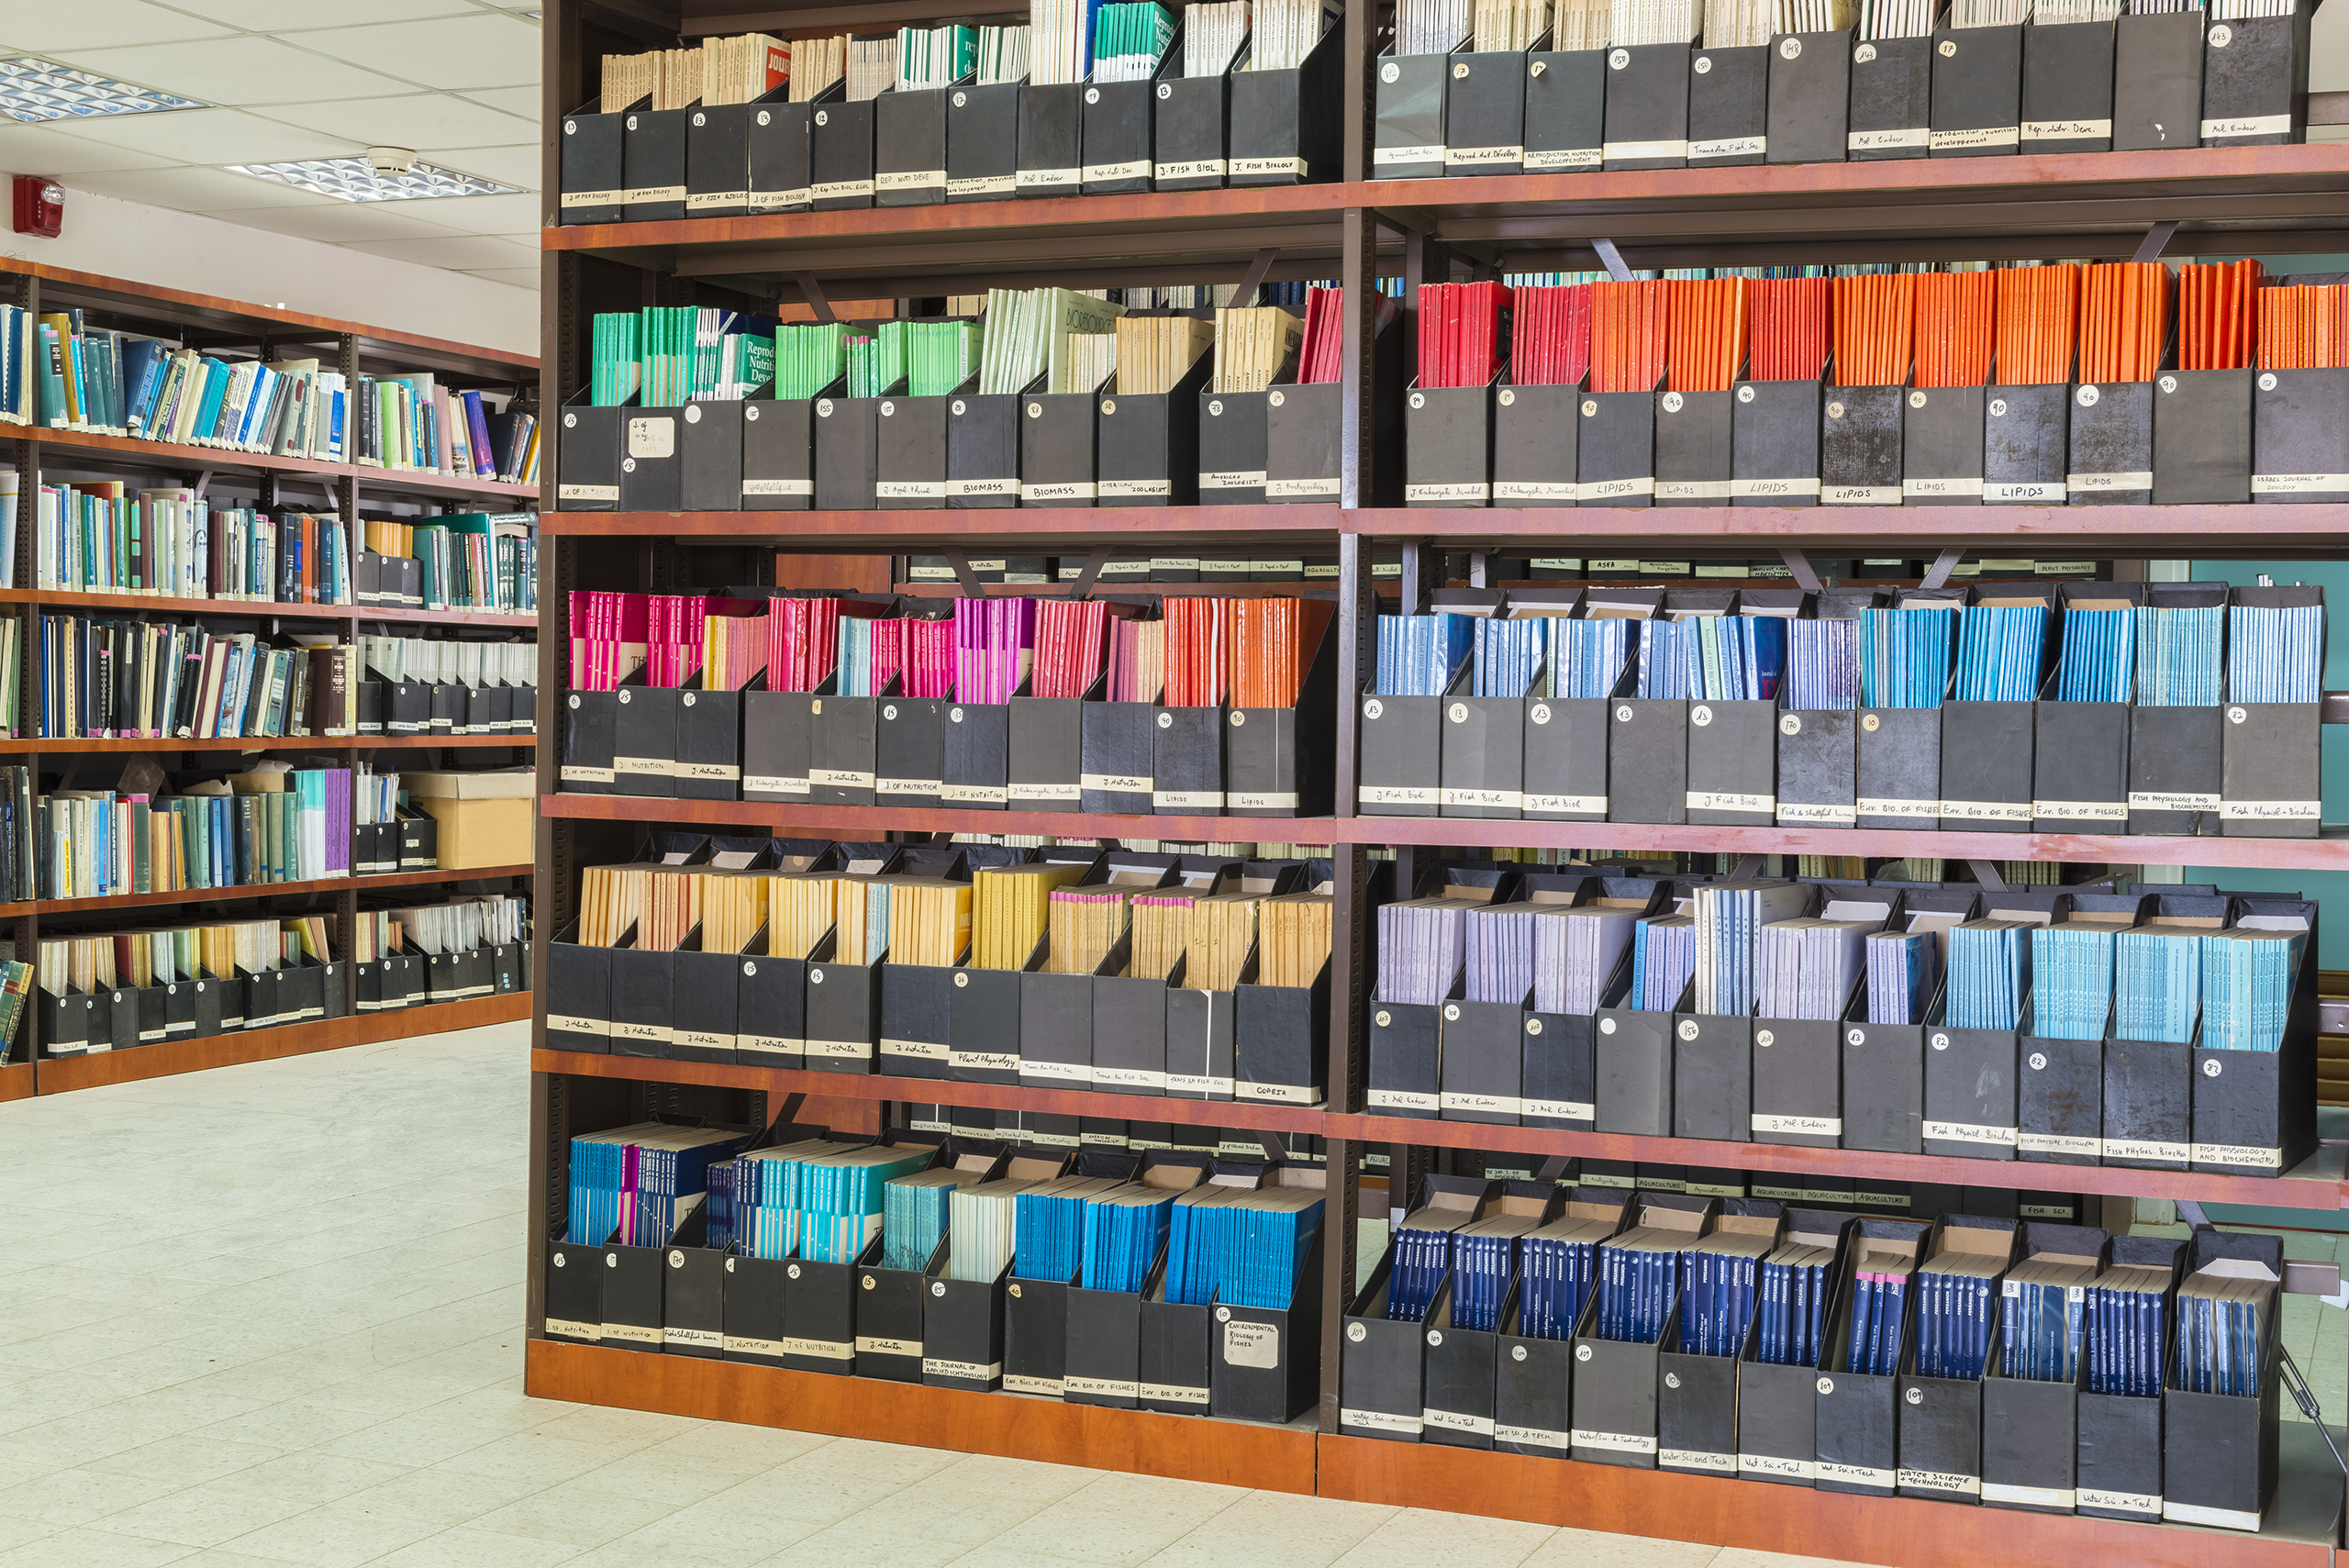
<point x="16" y="1081"/>
<point x="1189" y="1448"/>
<point x="1903" y="1532"/>
<point x="57" y="1074"/>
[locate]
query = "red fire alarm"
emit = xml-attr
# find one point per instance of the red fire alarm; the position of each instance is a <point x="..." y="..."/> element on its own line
<point x="41" y="206"/>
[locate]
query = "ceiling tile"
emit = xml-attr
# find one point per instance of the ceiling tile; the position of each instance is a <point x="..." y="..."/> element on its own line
<point x="523" y="100"/>
<point x="337" y="223"/>
<point x="32" y="149"/>
<point x="514" y="166"/>
<point x="196" y="190"/>
<point x="520" y="277"/>
<point x="246" y="70"/>
<point x="424" y="121"/>
<point x="95" y="24"/>
<point x="481" y="50"/>
<point x="460" y="252"/>
<point x="215" y="135"/>
<point x="483" y="214"/>
<point x="288" y="17"/>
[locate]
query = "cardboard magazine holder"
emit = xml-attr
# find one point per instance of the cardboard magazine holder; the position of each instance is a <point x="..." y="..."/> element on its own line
<point x="1533" y="1376"/>
<point x="983" y="141"/>
<point x="2218" y="1451"/>
<point x="1036" y="1309"/>
<point x="1777" y="1403"/>
<point x="1697" y="1395"/>
<point x="2031" y="1427"/>
<point x="1382" y="1366"/>
<point x="1818" y="763"/>
<point x="1858" y="1414"/>
<point x="1940" y="1420"/>
<point x="2176" y="778"/>
<point x="2252" y="1110"/>
<point x="1558" y="1073"/>
<point x="2117" y="1472"/>
<point x="1407" y="107"/>
<point x="1462" y="1365"/>
<point x="1797" y="1072"/>
<point x="1285" y="125"/>
<point x="2268" y="752"/>
<point x="2148" y="1089"/>
<point x="1616" y="1386"/>
<point x="1809" y="98"/>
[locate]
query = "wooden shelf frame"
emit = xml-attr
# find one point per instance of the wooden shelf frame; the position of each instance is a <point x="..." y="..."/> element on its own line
<point x="2229" y="200"/>
<point x="71" y="600"/>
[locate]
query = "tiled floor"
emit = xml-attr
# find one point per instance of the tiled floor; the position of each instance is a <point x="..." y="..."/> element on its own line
<point x="270" y="1315"/>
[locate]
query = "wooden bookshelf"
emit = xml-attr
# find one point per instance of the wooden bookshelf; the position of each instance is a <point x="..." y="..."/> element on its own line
<point x="2227" y="200"/>
<point x="265" y="482"/>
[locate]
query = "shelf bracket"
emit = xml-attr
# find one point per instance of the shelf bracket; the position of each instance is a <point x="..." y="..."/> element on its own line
<point x="960" y="561"/>
<point x="1254" y="279"/>
<point x="1553" y="1167"/>
<point x="1805" y="577"/>
<point x="1987" y="875"/>
<point x="1094" y="564"/>
<point x="813" y="293"/>
<point x="1937" y="574"/>
<point x="1612" y="259"/>
<point x="202" y="481"/>
<point x="2156" y="241"/>
<point x="1274" y="1149"/>
<point x="1748" y="867"/>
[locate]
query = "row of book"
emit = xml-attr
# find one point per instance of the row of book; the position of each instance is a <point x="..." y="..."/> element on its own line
<point x="2048" y="1365"/>
<point x="1710" y="94"/>
<point x="467" y="560"/>
<point x="1998" y="706"/>
<point x="108" y="679"/>
<point x="292" y="826"/>
<point x="104" y="537"/>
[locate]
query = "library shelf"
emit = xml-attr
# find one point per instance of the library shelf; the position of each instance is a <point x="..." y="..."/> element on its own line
<point x="859" y="821"/>
<point x="16" y="1081"/>
<point x="933" y="1091"/>
<point x="1904" y="1532"/>
<point x="62" y="287"/>
<point x="2315" y="1183"/>
<point x="59" y="1074"/>
<point x="260" y="890"/>
<point x="270" y="743"/>
<point x="1131" y="526"/>
<point x="2251" y="531"/>
<point x="171" y="455"/>
<point x="1188" y="1447"/>
<point x="85" y="600"/>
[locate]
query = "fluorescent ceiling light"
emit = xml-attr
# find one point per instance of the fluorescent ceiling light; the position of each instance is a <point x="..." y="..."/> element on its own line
<point x="34" y="89"/>
<point x="353" y="180"/>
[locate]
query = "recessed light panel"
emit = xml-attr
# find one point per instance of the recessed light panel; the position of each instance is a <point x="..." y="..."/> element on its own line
<point x="353" y="180"/>
<point x="34" y="90"/>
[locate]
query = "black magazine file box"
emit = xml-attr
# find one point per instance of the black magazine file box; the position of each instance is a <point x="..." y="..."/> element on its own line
<point x="1647" y="107"/>
<point x="1615" y="450"/>
<point x="587" y="720"/>
<point x="1534" y="431"/>
<point x="1116" y="123"/>
<point x="2219" y="1452"/>
<point x="781" y="145"/>
<point x="1693" y="460"/>
<point x="1858" y="1413"/>
<point x="706" y="992"/>
<point x="652" y="164"/>
<point x="1051" y="146"/>
<point x="2157" y="82"/>
<point x="771" y="1010"/>
<point x="840" y="158"/>
<point x="2202" y="435"/>
<point x="1059" y="442"/>
<point x="1192" y="120"/>
<point x="2059" y="1097"/>
<point x="976" y="756"/>
<point x="692" y="1293"/>
<point x="588" y="458"/>
<point x="1728" y="121"/>
<point x="778" y="457"/>
<point x="2067" y="87"/>
<point x="1898" y="764"/>
<point x="982" y="450"/>
<point x="1280" y="1041"/>
<point x="910" y="460"/>
<point x="909" y="147"/>
<point x="2269" y="751"/>
<point x="1633" y="1061"/>
<point x="1698" y="1407"/>
<point x="1482" y="748"/>
<point x="2252" y="1113"/>
<point x="1046" y="740"/>
<point x="909" y="750"/>
<point x="2175" y="768"/>
<point x="1978" y="91"/>
<point x="2300" y="436"/>
<point x="1891" y="105"/>
<point x="983" y="141"/>
<point x="1941" y="1417"/>
<point x="1150" y="442"/>
<point x="2112" y="455"/>
<point x="844" y="1013"/>
<point x="1232" y="448"/>
<point x="1647" y="760"/>
<point x="2026" y="440"/>
<point x="1565" y="110"/>
<point x="1617" y="1384"/>
<point x="847" y="454"/>
<point x="1448" y="447"/>
<point x="718" y="160"/>
<point x="1775" y="435"/>
<point x="1406" y="130"/>
<point x="2119" y="1467"/>
<point x="1712" y="1076"/>
<point x="1285" y="124"/>
<point x="2031" y="1427"/>
<point x="1810" y="97"/>
<point x="1273" y="765"/>
<point x="592" y="185"/>
<point x="1860" y="440"/>
<point x="2256" y="81"/>
<point x="1942" y="444"/>
<point x="1484" y="112"/>
<point x="1777" y="1403"/>
<point x="1264" y="1362"/>
<point x="776" y="745"/>
<point x="1533" y="1376"/>
<point x="644" y="740"/>
<point x="709" y="743"/>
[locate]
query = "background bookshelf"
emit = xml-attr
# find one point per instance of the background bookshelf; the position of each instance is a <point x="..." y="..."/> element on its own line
<point x="349" y="489"/>
<point x="2220" y="201"/>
